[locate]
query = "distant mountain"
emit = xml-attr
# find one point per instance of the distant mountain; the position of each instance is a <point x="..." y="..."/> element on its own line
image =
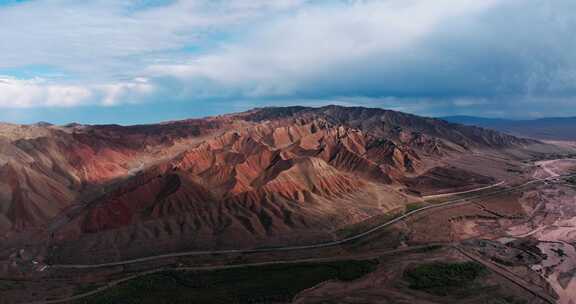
<point x="544" y="129"/>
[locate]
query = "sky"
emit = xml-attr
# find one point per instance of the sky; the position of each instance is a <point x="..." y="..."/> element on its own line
<point x="144" y="61"/>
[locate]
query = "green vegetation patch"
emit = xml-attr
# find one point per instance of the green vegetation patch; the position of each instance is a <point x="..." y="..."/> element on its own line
<point x="444" y="278"/>
<point x="263" y="284"/>
<point x="571" y="180"/>
<point x="8" y="285"/>
<point x="428" y="248"/>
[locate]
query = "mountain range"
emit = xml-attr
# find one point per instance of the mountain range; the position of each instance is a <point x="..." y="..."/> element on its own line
<point x="264" y="177"/>
<point x="563" y="128"/>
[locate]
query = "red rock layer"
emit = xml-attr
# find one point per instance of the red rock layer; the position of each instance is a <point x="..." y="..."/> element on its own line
<point x="276" y="168"/>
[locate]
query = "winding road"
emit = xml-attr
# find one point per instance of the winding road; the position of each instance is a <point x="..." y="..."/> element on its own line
<point x="531" y="288"/>
<point x="451" y="203"/>
<point x="114" y="283"/>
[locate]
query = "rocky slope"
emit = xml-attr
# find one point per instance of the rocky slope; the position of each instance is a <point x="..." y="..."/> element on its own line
<point x="45" y="168"/>
<point x="231" y="180"/>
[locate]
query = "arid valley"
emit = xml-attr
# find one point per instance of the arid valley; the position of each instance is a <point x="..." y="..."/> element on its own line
<point x="288" y="152"/>
<point x="285" y="205"/>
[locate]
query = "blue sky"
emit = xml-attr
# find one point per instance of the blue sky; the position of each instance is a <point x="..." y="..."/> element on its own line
<point x="139" y="61"/>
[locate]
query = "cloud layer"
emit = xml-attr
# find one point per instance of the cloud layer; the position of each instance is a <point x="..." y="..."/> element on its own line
<point x="490" y="58"/>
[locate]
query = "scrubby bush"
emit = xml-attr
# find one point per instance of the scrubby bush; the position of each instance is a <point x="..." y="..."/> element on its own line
<point x="443" y="278"/>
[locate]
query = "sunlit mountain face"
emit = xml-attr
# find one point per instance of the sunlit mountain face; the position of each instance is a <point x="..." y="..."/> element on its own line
<point x="287" y="151"/>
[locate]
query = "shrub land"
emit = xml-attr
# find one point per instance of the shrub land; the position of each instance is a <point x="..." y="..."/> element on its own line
<point x="267" y="284"/>
<point x="444" y="278"/>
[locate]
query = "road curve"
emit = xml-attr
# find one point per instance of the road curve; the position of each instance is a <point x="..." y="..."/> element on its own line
<point x="427" y="197"/>
<point x="270" y="249"/>
<point x="455" y="202"/>
<point x="114" y="283"/>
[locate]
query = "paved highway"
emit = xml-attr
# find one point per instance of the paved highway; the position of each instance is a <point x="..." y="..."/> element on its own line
<point x="451" y="203"/>
<point x="531" y="288"/>
<point x="503" y="272"/>
<point x="111" y="284"/>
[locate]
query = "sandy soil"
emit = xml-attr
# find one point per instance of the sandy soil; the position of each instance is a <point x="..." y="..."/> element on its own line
<point x="559" y="268"/>
<point x="553" y="223"/>
<point x="387" y="286"/>
<point x="553" y="168"/>
<point x="562" y="143"/>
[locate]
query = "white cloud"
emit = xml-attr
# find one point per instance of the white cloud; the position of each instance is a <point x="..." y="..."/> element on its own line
<point x="466" y="54"/>
<point x="417" y="55"/>
<point x="99" y="38"/>
<point x="467" y="102"/>
<point x="126" y="92"/>
<point x="101" y="43"/>
<point x="28" y="93"/>
<point x="278" y="58"/>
